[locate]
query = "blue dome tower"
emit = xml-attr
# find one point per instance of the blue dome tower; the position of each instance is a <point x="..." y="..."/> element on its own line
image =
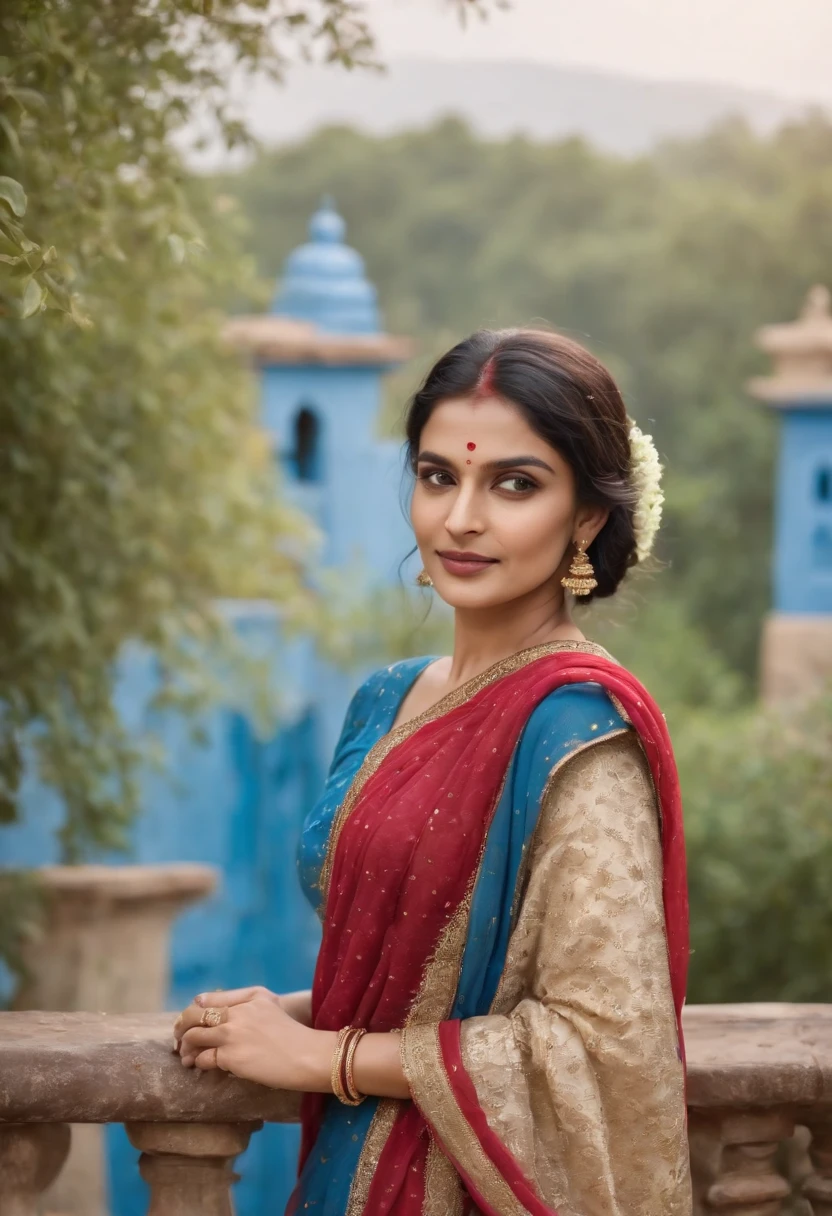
<point x="322" y="357"/>
<point x="324" y="280"/>
<point x="797" y="641"/>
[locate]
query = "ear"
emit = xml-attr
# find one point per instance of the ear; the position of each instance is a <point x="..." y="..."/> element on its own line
<point x="589" y="521"/>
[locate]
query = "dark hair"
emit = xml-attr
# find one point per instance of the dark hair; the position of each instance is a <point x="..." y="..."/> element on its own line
<point x="568" y="398"/>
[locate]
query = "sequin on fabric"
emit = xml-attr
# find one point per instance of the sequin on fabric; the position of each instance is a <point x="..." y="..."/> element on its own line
<point x="449" y="702"/>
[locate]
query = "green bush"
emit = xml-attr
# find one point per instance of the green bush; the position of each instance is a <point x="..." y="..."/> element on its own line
<point x="757" y="787"/>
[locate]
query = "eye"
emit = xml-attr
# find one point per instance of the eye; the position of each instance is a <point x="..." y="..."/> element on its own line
<point x="518" y="484"/>
<point x="434" y="477"/>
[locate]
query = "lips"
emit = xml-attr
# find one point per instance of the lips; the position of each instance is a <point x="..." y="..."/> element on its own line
<point x="465" y="564"/>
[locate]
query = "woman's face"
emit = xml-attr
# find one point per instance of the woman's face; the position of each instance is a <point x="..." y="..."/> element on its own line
<point x="494" y="507"/>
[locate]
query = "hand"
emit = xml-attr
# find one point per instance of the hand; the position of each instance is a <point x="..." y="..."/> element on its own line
<point x="258" y="1040"/>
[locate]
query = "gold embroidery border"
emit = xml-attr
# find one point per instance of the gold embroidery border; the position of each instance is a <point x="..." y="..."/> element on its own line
<point x="378" y="1132"/>
<point x="443" y="1185"/>
<point x="450" y="701"/>
<point x="428" y="1079"/>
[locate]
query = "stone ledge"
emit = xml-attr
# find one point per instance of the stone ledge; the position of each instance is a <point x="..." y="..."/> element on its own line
<point x="100" y="1068"/>
<point x="126" y="883"/>
<point x="95" y="1068"/>
<point x="759" y="1055"/>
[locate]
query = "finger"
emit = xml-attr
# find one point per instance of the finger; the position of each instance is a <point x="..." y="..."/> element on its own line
<point x="209" y="1060"/>
<point x="200" y="1037"/>
<point x="192" y="1016"/>
<point x="232" y="996"/>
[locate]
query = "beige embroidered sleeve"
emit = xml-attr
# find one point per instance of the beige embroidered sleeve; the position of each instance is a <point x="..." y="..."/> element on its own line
<point x="576" y="1067"/>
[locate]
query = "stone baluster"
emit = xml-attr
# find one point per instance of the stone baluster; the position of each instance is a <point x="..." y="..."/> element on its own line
<point x="31" y="1157"/>
<point x="188" y="1166"/>
<point x="818" y="1186"/>
<point x="747" y="1182"/>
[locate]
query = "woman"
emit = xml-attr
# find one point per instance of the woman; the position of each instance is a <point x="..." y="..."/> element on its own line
<point x="497" y="858"/>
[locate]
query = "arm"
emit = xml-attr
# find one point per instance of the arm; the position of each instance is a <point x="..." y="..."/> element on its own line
<point x="267" y="1038"/>
<point x="298" y="1005"/>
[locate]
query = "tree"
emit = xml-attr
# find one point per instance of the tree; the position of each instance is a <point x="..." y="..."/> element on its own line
<point x="133" y="489"/>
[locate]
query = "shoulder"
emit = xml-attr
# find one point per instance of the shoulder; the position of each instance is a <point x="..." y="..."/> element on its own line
<point x="570" y="717"/>
<point x="391" y="682"/>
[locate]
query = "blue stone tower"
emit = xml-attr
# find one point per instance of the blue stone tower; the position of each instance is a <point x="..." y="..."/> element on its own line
<point x="322" y="357"/>
<point x="797" y="641"/>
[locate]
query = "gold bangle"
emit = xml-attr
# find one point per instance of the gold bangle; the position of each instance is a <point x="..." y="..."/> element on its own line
<point x="352" y="1092"/>
<point x="337" y="1064"/>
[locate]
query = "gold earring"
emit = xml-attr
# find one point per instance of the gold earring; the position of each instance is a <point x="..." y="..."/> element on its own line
<point x="581" y="577"/>
<point x="423" y="579"/>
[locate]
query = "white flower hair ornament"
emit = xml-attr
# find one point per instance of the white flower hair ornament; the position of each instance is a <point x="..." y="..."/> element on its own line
<point x="646" y="476"/>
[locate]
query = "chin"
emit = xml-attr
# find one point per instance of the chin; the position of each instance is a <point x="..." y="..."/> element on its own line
<point x="457" y="595"/>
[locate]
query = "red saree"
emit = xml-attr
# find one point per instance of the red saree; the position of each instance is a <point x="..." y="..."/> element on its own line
<point x="403" y="859"/>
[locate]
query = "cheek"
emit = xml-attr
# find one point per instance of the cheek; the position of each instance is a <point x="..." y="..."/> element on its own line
<point x="537" y="534"/>
<point x="423" y="511"/>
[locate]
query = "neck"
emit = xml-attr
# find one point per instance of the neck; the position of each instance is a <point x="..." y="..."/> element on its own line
<point x="483" y="637"/>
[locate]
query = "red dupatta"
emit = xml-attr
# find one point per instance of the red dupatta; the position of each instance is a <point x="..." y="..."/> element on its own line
<point x="403" y="858"/>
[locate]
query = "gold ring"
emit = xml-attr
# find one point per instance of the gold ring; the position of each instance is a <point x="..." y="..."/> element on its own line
<point x="213" y="1016"/>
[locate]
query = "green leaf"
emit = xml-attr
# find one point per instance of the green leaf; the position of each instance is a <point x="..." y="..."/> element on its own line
<point x="29" y="97"/>
<point x="177" y="248"/>
<point x="33" y="298"/>
<point x="13" y="194"/>
<point x="11" y="134"/>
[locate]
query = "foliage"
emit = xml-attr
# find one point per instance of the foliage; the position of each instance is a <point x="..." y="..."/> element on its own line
<point x="21" y="916"/>
<point x="110" y="84"/>
<point x="758" y="788"/>
<point x="131" y="490"/>
<point x="665" y="264"/>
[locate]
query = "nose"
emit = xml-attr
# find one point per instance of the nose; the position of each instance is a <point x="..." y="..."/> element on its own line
<point x="465" y="516"/>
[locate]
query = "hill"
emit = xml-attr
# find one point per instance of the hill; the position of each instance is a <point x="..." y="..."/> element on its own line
<point x="618" y="114"/>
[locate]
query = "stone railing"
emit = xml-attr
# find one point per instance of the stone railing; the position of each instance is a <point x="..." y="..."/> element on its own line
<point x="755" y="1073"/>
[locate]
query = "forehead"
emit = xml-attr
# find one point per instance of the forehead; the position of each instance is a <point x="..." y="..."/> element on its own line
<point x="496" y="426"/>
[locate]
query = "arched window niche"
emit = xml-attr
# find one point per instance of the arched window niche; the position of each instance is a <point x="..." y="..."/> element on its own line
<point x="306" y="445"/>
<point x="823" y="484"/>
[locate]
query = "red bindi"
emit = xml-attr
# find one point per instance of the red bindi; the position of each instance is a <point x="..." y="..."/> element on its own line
<point x="471" y="446"/>
<point x="467" y="461"/>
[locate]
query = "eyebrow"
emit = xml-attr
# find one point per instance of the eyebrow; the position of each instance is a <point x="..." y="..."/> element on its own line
<point x="492" y="466"/>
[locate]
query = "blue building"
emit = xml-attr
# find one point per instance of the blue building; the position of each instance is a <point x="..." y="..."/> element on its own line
<point x="797" y="642"/>
<point x="237" y="801"/>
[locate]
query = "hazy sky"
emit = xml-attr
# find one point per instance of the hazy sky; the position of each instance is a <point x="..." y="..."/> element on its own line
<point x="781" y="45"/>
